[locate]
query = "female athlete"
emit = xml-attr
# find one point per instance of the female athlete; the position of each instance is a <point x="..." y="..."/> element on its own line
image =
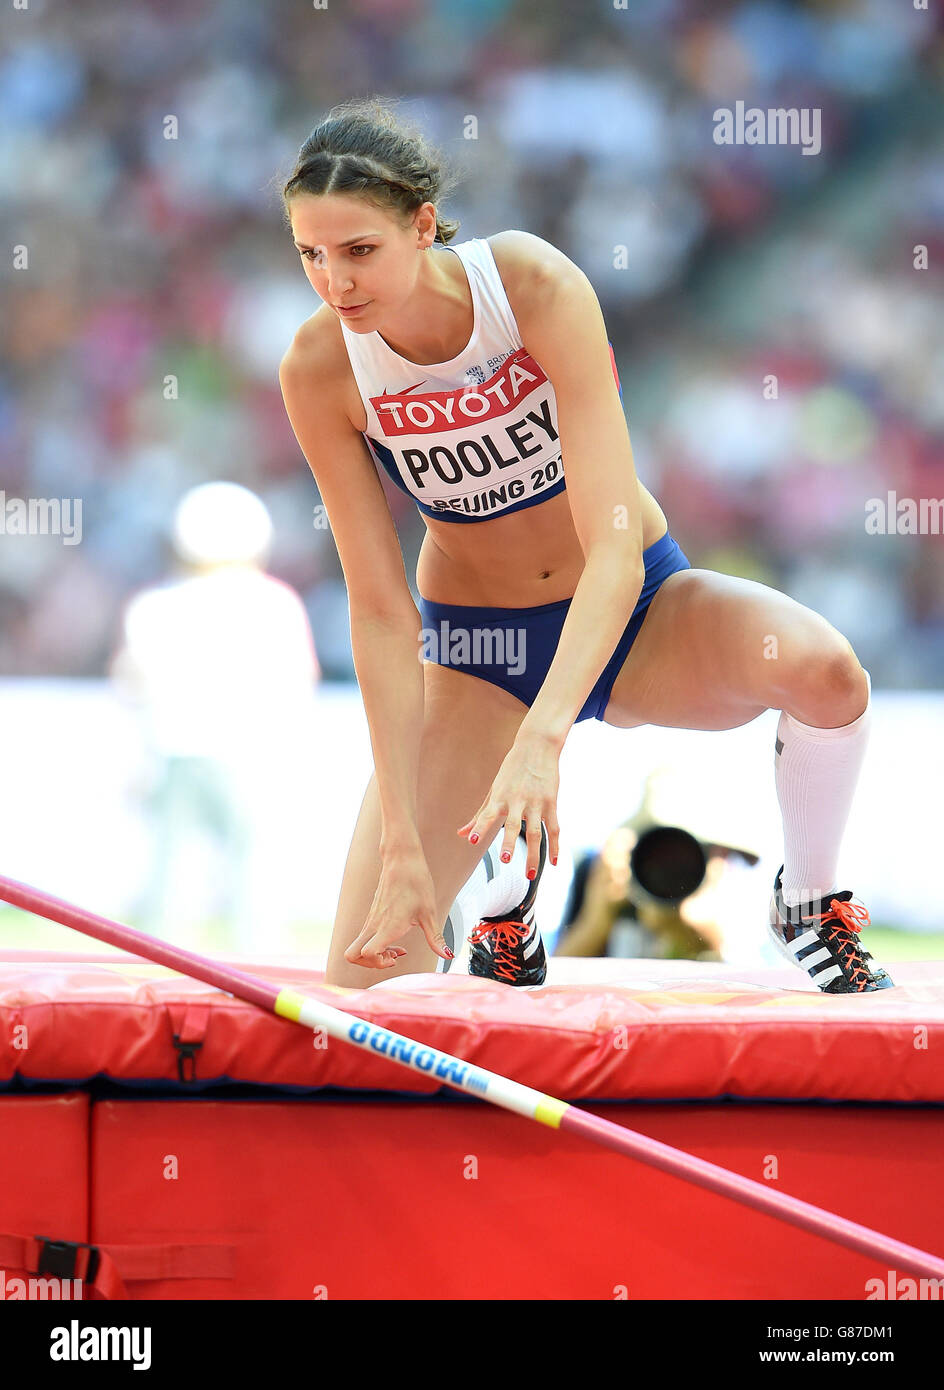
<point x="481" y="379"/>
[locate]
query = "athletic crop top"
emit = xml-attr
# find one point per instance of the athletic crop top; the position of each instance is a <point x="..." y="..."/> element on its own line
<point x="474" y="437"/>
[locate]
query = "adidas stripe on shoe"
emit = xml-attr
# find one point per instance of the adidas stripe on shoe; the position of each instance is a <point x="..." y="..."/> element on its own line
<point x="822" y="938"/>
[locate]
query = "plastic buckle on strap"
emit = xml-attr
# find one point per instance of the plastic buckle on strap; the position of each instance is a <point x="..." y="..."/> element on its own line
<point x="186" y="1052"/>
<point x="58" y="1258"/>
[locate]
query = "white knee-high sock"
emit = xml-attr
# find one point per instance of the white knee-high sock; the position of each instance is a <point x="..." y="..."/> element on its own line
<point x="491" y="888"/>
<point x="816" y="772"/>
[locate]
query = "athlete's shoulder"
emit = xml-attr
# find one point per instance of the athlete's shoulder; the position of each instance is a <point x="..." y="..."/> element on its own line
<point x="315" y="371"/>
<point x="316" y="349"/>
<point x="530" y="269"/>
<point x="528" y="259"/>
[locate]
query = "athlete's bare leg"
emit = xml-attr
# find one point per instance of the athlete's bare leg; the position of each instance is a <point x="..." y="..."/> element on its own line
<point x="469" y="726"/>
<point x="715" y="651"/>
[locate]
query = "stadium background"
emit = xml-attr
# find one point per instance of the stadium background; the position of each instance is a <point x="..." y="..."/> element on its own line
<point x="151" y="257"/>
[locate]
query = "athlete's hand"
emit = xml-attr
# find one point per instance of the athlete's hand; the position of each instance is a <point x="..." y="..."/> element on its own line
<point x="405" y="898"/>
<point x="525" y="789"/>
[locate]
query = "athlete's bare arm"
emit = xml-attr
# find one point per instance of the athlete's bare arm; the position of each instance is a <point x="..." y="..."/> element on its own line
<point x="562" y="326"/>
<point x="385" y="623"/>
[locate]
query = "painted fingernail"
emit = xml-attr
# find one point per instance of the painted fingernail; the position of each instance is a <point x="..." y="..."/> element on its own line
<point x="532" y="873"/>
<point x="553" y="858"/>
<point x="506" y="856"/>
<point x="473" y="839"/>
<point x="447" y="952"/>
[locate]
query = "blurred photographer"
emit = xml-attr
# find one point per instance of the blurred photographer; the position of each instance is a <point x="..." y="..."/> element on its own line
<point x="655" y="890"/>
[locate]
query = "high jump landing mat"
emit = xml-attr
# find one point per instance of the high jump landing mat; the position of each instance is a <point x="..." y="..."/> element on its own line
<point x="206" y="1149"/>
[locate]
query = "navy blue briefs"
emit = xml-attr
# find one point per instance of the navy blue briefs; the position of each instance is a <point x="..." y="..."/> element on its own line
<point x="514" y="647"/>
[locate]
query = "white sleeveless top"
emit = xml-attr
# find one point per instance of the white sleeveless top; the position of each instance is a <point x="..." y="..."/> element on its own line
<point x="471" y="438"/>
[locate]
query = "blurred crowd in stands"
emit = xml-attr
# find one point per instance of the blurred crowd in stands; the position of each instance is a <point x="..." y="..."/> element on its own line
<point x="781" y="354"/>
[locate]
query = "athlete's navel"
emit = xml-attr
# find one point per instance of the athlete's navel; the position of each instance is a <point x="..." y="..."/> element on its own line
<point x="546" y="574"/>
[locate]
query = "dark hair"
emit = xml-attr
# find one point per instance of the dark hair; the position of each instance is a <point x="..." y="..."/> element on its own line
<point x="363" y="147"/>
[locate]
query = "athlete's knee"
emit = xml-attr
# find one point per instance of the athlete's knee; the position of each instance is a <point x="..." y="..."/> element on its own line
<point x="828" y="687"/>
<point x="835" y="668"/>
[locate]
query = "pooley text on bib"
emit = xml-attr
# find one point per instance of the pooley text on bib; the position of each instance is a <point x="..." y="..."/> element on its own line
<point x="477" y="449"/>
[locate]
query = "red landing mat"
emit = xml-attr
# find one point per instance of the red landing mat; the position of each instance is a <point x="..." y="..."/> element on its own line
<point x="608" y="1030"/>
<point x="378" y="1188"/>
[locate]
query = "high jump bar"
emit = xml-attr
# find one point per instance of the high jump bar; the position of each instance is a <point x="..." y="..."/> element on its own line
<point x="475" y="1081"/>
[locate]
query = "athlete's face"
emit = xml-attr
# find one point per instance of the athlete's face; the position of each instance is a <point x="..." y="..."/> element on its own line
<point x="357" y="254"/>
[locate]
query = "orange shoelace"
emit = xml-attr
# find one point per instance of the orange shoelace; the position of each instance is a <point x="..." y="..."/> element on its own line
<point x="850" y="918"/>
<point x="507" y="936"/>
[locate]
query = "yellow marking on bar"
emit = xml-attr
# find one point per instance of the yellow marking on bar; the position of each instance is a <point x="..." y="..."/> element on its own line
<point x="550" y="1111"/>
<point x="289" y="1004"/>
